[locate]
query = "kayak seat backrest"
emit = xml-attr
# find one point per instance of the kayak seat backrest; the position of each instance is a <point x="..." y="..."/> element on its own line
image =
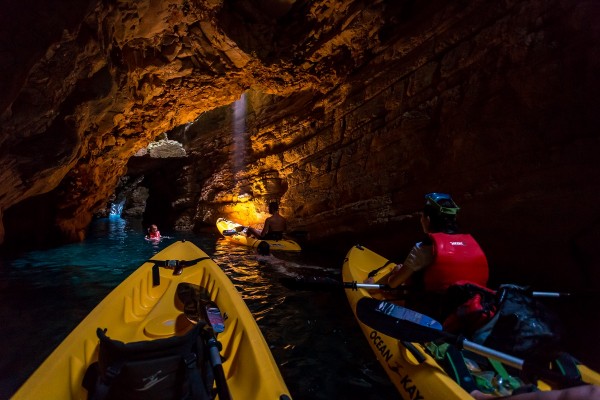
<point x="170" y="368"/>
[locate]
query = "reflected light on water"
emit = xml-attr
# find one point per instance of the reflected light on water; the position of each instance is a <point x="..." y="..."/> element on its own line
<point x="253" y="281"/>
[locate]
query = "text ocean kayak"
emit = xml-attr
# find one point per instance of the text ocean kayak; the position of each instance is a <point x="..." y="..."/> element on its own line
<point x="413" y="379"/>
<point x="224" y="225"/>
<point x="137" y="311"/>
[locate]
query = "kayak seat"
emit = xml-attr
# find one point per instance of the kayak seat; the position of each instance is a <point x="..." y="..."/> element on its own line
<point x="167" y="368"/>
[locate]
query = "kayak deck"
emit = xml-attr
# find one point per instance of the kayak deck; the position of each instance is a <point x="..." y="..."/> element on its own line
<point x="241" y="239"/>
<point x="138" y="311"/>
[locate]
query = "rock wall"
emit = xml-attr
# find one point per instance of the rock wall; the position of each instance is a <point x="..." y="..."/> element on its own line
<point x="353" y="110"/>
<point x="493" y="105"/>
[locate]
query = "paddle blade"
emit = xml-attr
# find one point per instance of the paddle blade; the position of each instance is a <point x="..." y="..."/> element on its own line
<point x="398" y="322"/>
<point x="215" y="318"/>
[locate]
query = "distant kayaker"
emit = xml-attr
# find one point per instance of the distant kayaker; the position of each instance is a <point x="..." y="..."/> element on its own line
<point x="264" y="256"/>
<point x="153" y="233"/>
<point x="444" y="256"/>
<point x="274" y="226"/>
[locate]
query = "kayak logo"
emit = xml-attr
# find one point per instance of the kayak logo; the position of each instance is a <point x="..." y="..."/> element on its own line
<point x="381" y="346"/>
<point x="458" y="243"/>
<point x="407" y="384"/>
<point x="411" y="388"/>
<point x="151" y="381"/>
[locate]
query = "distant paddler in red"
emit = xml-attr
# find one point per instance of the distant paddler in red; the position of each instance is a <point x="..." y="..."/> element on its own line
<point x="153" y="233"/>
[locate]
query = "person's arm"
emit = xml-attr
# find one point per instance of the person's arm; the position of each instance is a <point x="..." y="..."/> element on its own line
<point x="584" y="392"/>
<point x="399" y="275"/>
<point x="266" y="228"/>
<point x="420" y="256"/>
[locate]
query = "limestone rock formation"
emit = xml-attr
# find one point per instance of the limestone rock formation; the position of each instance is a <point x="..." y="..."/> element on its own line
<point x="345" y="111"/>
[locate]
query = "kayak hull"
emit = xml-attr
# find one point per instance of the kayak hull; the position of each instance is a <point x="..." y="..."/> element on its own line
<point x="426" y="380"/>
<point x="137" y="311"/>
<point x="241" y="239"/>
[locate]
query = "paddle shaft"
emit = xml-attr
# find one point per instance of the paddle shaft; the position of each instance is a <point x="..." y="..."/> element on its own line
<point x="214" y="319"/>
<point x="550" y="294"/>
<point x="356" y="285"/>
<point x="493" y="354"/>
<point x="215" y="360"/>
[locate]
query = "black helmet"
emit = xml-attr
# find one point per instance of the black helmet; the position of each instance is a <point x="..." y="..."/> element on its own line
<point x="441" y="204"/>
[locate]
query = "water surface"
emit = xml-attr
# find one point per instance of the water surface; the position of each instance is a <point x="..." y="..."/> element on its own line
<point x="313" y="336"/>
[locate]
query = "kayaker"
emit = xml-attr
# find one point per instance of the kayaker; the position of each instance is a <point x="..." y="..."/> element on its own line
<point x="153" y="233"/>
<point x="274" y="226"/>
<point x="443" y="257"/>
<point x="264" y="256"/>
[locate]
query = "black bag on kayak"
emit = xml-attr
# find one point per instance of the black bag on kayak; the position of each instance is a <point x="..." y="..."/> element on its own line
<point x="522" y="326"/>
<point x="172" y="368"/>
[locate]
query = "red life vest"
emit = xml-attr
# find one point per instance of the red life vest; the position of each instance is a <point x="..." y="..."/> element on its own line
<point x="458" y="257"/>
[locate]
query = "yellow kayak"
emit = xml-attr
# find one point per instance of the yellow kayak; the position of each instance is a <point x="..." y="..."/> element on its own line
<point x="413" y="378"/>
<point x="139" y="311"/>
<point x="233" y="232"/>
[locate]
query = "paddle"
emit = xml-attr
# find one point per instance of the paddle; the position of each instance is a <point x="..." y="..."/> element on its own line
<point x="234" y="231"/>
<point x="199" y="307"/>
<point x="406" y="325"/>
<point x="217" y="323"/>
<point x="323" y="282"/>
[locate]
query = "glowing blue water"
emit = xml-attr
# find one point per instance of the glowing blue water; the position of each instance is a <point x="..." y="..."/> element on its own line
<point x="117" y="208"/>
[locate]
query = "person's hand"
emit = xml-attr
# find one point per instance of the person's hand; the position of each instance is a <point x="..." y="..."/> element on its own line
<point x="481" y="396"/>
<point x="396" y="269"/>
<point x="369" y="280"/>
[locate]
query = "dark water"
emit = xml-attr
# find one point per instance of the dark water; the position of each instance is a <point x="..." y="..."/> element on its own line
<point x="314" y="338"/>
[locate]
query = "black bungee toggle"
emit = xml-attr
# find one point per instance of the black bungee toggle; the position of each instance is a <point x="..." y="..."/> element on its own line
<point x="176" y="265"/>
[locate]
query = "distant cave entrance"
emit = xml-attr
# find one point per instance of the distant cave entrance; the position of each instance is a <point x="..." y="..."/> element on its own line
<point x="162" y="192"/>
<point x="153" y="188"/>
